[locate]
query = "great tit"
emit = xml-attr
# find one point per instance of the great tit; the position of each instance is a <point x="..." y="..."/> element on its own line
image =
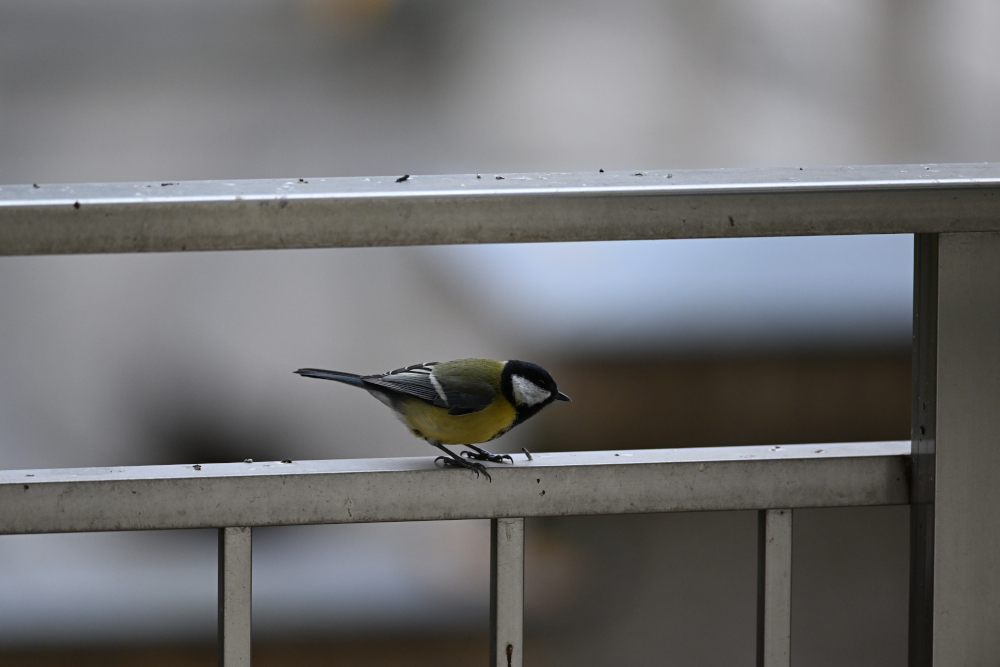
<point x="459" y="402"/>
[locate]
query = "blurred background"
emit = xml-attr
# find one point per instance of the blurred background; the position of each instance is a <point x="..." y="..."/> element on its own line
<point x="183" y="358"/>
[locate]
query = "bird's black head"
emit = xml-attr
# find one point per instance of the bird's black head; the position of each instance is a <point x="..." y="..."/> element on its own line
<point x="529" y="387"/>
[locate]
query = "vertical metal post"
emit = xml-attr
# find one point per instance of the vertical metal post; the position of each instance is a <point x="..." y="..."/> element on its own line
<point x="235" y="570"/>
<point x="774" y="588"/>
<point x="923" y="432"/>
<point x="967" y="454"/>
<point x="506" y="592"/>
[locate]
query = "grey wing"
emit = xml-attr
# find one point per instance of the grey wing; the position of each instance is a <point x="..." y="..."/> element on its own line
<point x="460" y="397"/>
<point x="413" y="380"/>
<point x="465" y="394"/>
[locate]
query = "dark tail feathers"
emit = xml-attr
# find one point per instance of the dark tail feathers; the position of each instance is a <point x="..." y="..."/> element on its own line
<point x="337" y="376"/>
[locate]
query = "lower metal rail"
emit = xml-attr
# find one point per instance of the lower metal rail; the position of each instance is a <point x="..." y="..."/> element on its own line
<point x="235" y="497"/>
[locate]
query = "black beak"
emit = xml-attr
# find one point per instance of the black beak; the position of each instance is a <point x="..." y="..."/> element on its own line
<point x="563" y="397"/>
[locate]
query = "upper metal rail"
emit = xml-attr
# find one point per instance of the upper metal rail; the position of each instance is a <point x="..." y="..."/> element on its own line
<point x="413" y="489"/>
<point x="491" y="208"/>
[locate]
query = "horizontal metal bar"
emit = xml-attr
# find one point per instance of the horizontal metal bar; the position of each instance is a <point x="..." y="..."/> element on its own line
<point x="414" y="489"/>
<point x="490" y="208"/>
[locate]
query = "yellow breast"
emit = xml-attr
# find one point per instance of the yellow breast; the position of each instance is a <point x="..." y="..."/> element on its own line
<point x="433" y="423"/>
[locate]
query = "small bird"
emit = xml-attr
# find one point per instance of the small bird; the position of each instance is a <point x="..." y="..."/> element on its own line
<point x="459" y="402"/>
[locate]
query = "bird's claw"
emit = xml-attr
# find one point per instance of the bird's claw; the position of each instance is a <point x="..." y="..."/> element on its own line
<point x="486" y="456"/>
<point x="451" y="462"/>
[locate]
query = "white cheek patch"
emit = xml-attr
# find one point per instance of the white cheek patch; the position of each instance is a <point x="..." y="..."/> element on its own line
<point x="527" y="392"/>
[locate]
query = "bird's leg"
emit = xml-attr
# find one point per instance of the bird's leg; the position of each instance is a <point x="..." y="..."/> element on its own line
<point x="483" y="455"/>
<point x="455" y="461"/>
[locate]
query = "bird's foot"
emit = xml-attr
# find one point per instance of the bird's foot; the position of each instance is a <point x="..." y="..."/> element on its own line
<point x="483" y="455"/>
<point x="451" y="462"/>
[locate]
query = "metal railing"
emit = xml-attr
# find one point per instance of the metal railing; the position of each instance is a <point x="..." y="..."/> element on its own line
<point x="236" y="497"/>
<point x="352" y="212"/>
<point x="960" y="204"/>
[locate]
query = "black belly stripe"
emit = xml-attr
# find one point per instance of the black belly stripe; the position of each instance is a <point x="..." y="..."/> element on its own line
<point x="501" y="432"/>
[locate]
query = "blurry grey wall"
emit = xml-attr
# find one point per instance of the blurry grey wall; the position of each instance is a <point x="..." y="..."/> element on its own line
<point x="117" y="91"/>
